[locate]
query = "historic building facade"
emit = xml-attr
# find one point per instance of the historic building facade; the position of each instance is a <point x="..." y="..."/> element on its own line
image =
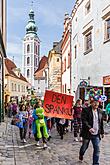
<point x="90" y="45"/>
<point x="54" y="65"/>
<point x="66" y="55"/>
<point x="2" y="54"/>
<point x="31" y="50"/>
<point x="15" y="83"/>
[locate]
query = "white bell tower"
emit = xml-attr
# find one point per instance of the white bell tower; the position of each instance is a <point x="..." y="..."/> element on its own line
<point x="31" y="50"/>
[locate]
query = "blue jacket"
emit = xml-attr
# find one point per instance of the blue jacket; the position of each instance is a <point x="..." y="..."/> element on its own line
<point x="33" y="123"/>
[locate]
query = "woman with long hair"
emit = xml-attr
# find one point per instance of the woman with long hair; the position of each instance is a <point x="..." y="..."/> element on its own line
<point x="23" y="123"/>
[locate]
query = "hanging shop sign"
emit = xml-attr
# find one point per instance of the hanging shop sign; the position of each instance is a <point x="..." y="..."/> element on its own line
<point x="83" y="83"/>
<point x="106" y="80"/>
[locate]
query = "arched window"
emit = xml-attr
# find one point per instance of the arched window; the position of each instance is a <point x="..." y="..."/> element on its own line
<point x="36" y="50"/>
<point x="28" y="60"/>
<point x="28" y="48"/>
<point x="28" y="73"/>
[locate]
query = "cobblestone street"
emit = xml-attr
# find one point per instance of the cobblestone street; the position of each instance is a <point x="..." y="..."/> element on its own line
<point x="59" y="152"/>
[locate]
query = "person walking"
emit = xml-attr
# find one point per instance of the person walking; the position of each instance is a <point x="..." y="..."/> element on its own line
<point x="77" y="119"/>
<point x="92" y="130"/>
<point x="39" y="125"/>
<point x="108" y="112"/>
<point x="23" y="122"/>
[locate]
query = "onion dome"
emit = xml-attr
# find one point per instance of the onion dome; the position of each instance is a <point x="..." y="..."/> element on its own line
<point x="31" y="26"/>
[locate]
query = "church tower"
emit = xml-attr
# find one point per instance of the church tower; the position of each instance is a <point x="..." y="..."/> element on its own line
<point x="31" y="50"/>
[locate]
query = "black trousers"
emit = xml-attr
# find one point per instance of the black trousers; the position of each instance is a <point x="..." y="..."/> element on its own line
<point x="23" y="131"/>
<point x="60" y="129"/>
<point x="43" y="138"/>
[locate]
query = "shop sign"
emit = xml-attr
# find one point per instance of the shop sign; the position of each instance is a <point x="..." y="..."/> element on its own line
<point x="83" y="83"/>
<point x="106" y="80"/>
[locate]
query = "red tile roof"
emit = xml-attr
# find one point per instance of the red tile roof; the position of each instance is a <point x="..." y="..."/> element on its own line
<point x="10" y="65"/>
<point x="43" y="64"/>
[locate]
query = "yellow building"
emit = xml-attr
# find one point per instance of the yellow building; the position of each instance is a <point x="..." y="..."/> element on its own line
<point x="15" y="84"/>
<point x="2" y="54"/>
<point x="54" y="62"/>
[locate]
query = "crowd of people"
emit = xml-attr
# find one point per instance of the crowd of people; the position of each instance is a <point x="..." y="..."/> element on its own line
<point x="87" y="123"/>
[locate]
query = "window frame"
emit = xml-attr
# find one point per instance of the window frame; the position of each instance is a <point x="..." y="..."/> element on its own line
<point x="88" y="4"/>
<point x="106" y="38"/>
<point x="28" y="60"/>
<point x="89" y="31"/>
<point x="28" y="48"/>
<point x="28" y="73"/>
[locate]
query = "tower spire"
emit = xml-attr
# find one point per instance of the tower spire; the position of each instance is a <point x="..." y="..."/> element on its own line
<point x="32" y="4"/>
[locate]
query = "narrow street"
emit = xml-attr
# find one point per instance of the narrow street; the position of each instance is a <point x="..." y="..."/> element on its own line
<point x="59" y="152"/>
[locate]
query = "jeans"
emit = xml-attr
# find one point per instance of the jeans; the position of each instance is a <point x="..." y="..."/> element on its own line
<point x="23" y="131"/>
<point x="95" y="142"/>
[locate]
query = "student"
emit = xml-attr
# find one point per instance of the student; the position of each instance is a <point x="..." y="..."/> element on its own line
<point x="23" y="123"/>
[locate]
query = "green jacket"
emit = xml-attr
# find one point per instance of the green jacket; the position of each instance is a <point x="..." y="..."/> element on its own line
<point x="108" y="108"/>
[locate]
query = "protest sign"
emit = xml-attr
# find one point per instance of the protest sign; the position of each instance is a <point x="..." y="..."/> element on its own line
<point x="58" y="105"/>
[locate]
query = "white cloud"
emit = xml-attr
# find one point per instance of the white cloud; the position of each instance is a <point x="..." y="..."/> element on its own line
<point x="51" y="16"/>
<point x="14" y="49"/>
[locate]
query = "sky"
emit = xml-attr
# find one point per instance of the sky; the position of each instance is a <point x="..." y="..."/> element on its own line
<point x="49" y="17"/>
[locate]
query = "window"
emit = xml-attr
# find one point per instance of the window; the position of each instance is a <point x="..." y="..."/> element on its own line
<point x="36" y="50"/>
<point x="28" y="73"/>
<point x="68" y="60"/>
<point x="36" y="62"/>
<point x="15" y="87"/>
<point x="12" y="87"/>
<point x="108" y="29"/>
<point x="107" y="24"/>
<point x="58" y="79"/>
<point x="64" y="64"/>
<point x="87" y="7"/>
<point x="88" y="41"/>
<point x="57" y="59"/>
<point x="28" y="48"/>
<point x="18" y="88"/>
<point x="22" y="88"/>
<point x="65" y="88"/>
<point x="28" y="60"/>
<point x="75" y="51"/>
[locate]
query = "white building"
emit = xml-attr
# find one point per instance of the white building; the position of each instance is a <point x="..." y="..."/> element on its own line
<point x="31" y="50"/>
<point x="90" y="44"/>
<point x="66" y="55"/>
<point x="41" y="77"/>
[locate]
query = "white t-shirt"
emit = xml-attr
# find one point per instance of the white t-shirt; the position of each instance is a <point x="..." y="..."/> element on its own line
<point x="95" y="122"/>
